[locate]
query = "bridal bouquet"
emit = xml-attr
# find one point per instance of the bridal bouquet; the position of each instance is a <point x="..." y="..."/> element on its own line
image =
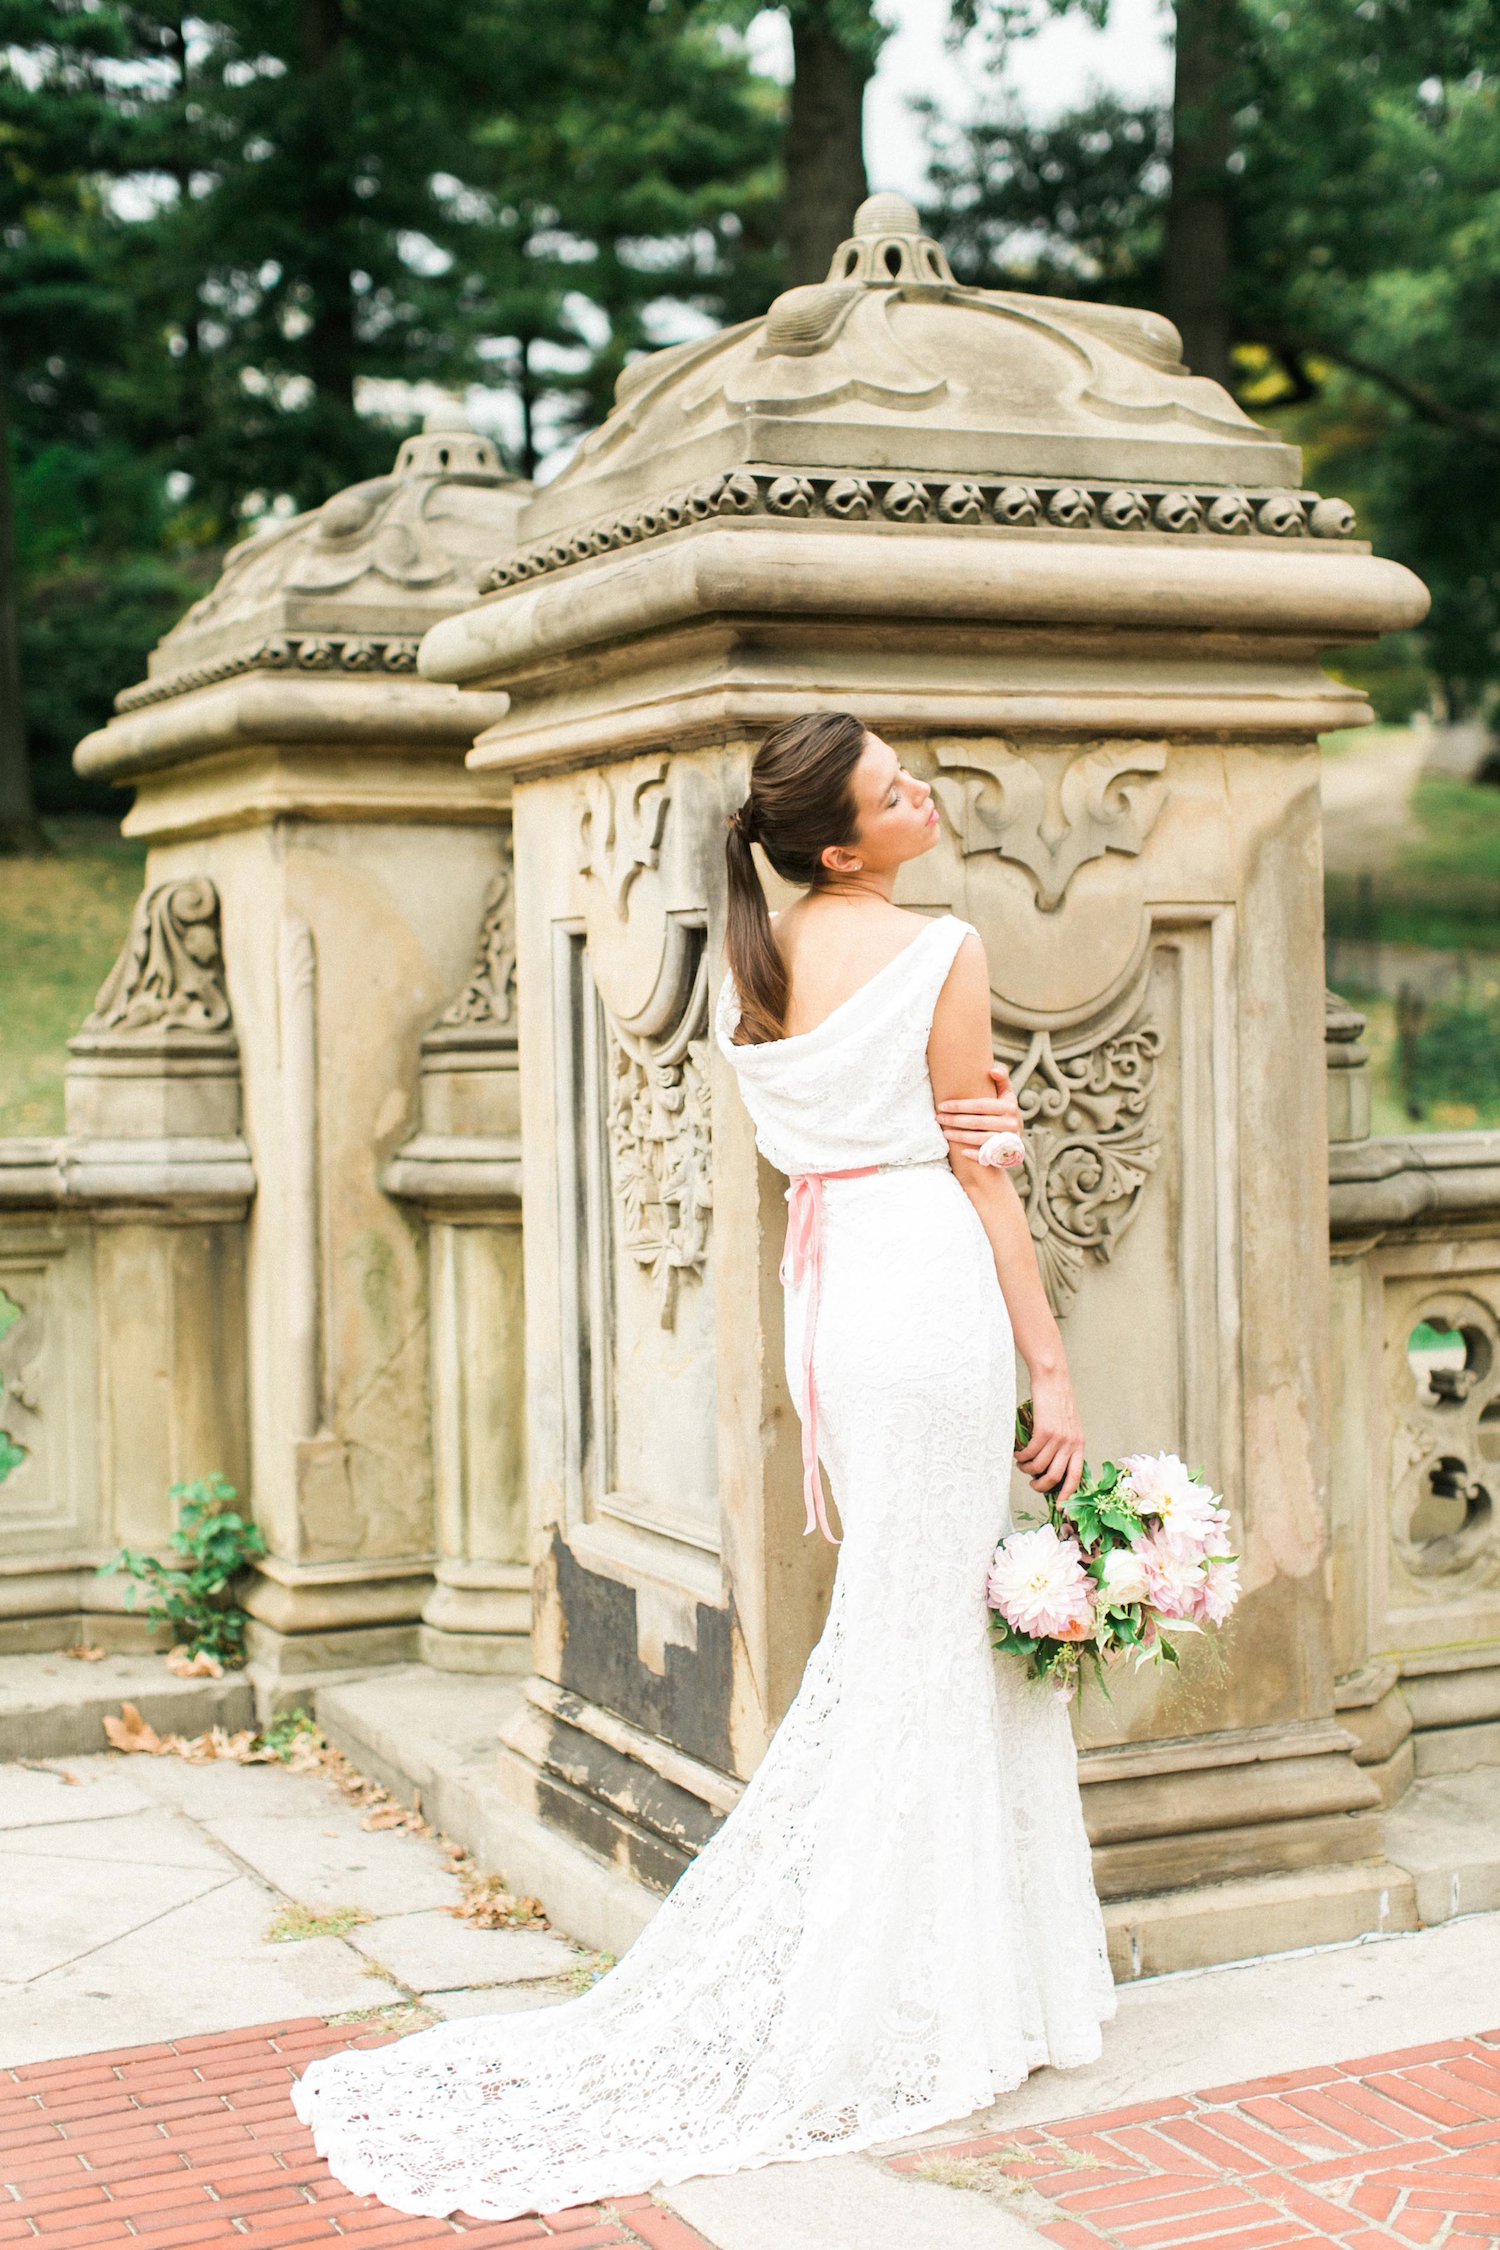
<point x="1136" y="1557"/>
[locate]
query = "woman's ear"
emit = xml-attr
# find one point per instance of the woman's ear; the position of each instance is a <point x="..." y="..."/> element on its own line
<point x="840" y="859"/>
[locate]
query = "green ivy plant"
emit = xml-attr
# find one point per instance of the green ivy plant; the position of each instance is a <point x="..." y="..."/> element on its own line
<point x="215" y="1544"/>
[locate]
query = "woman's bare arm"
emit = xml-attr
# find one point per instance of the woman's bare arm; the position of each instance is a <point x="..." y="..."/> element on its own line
<point x="959" y="1058"/>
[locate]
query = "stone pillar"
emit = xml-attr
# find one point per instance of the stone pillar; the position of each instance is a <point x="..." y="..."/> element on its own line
<point x="1084" y="596"/>
<point x="463" y="1170"/>
<point x="284" y="751"/>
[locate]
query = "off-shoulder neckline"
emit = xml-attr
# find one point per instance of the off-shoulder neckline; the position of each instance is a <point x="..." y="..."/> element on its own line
<point x="796" y="1038"/>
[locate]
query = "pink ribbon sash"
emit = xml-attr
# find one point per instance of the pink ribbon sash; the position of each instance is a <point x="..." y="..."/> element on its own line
<point x="803" y="1255"/>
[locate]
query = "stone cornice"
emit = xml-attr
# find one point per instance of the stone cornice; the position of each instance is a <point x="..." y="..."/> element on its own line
<point x="1418" y="1181"/>
<point x="1312" y="594"/>
<point x="1267" y="515"/>
<point x="322" y="653"/>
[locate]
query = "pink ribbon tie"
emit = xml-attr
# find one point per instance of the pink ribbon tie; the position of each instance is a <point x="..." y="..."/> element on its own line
<point x="803" y="1255"/>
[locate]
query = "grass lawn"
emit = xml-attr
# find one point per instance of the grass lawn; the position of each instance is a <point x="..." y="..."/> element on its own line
<point x="1444" y="889"/>
<point x="62" y="922"/>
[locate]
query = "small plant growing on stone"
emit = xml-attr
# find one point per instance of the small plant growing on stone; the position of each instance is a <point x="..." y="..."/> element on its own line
<point x="215" y="1544"/>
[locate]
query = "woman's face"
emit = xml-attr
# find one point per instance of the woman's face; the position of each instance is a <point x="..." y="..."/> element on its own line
<point x="897" y="817"/>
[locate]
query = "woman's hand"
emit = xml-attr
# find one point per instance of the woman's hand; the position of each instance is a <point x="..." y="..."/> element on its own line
<point x="1054" y="1455"/>
<point x="969" y="1124"/>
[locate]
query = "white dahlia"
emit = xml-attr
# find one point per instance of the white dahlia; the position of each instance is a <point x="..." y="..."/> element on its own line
<point x="1039" y="1585"/>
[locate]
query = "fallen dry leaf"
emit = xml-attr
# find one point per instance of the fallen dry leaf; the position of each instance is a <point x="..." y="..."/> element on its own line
<point x="203" y="1666"/>
<point x="84" y="1654"/>
<point x="131" y="1732"/>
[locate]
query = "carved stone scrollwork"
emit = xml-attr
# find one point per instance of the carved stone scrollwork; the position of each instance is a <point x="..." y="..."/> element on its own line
<point x="1091" y="1144"/>
<point x="488" y="1000"/>
<point x="1445" y="1440"/>
<point x="170" y="976"/>
<point x="619" y="834"/>
<point x="1051" y="811"/>
<point x="20" y="1383"/>
<point x="660" y="1136"/>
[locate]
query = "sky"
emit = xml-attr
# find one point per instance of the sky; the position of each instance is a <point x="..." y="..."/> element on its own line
<point x="1051" y="72"/>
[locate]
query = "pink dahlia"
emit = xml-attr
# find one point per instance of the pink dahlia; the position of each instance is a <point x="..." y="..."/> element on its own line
<point x="1174" y="1582"/>
<point x="1189" y="1514"/>
<point x="1221" y="1588"/>
<point x="1039" y="1585"/>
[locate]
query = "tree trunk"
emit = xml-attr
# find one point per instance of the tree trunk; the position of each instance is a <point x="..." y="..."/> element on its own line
<point x="20" y="830"/>
<point x="1200" y="244"/>
<point x="331" y="340"/>
<point x="526" y="393"/>
<point x="825" y="162"/>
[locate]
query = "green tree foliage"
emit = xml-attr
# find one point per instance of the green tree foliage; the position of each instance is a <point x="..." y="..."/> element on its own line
<point x="221" y="235"/>
<point x="1359" y="173"/>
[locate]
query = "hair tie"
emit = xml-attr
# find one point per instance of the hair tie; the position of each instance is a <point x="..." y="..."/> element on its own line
<point x="744" y="822"/>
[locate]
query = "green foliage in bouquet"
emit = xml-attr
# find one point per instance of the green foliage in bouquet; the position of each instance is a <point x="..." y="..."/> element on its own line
<point x="215" y="1544"/>
<point x="1100" y="1515"/>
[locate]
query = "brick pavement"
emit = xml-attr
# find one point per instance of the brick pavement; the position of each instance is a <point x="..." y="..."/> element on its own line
<point x="1382" y="2154"/>
<point x="195" y="2142"/>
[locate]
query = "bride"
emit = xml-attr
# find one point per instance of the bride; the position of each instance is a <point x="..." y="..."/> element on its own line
<point x="898" y="1921"/>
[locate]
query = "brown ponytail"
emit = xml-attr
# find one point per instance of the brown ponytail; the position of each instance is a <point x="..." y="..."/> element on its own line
<point x="800" y="803"/>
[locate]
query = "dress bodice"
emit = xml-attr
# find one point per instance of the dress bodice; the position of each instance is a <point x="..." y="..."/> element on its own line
<point x="854" y="1090"/>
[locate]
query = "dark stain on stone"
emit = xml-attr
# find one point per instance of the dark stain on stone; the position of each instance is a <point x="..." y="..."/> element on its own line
<point x="687" y="1705"/>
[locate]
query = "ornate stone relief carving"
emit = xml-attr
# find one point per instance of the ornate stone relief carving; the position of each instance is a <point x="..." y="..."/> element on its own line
<point x="20" y="1382"/>
<point x="1091" y="1142"/>
<point x="1445" y="1445"/>
<point x="660" y="1144"/>
<point x="977" y="504"/>
<point x="488" y="1000"/>
<point x="1051" y="811"/>
<point x="620" y="828"/>
<point x="170" y="976"/>
<point x="356" y="653"/>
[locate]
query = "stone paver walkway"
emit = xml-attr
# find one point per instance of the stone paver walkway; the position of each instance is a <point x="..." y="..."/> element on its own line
<point x="194" y="2141"/>
<point x="1394" y="2150"/>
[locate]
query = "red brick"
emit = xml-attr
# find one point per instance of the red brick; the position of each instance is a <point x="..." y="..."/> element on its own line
<point x="1465" y="2223"/>
<point x="1357" y="2121"/>
<point x="1455" y="2082"/>
<point x="262" y="2033"/>
<point x="86" y="2189"/>
<point x="1280" y="2082"/>
<point x="56" y="2163"/>
<point x="1476" y="2070"/>
<point x="1422" y="2099"/>
<point x="16" y="2230"/>
<point x="1376" y="2200"/>
<point x="87" y="2231"/>
<point x="1373" y="2163"/>
<point x="1125" y="2193"/>
<point x="1190" y="2226"/>
<point x="1293" y="2125"/>
<point x="1404" y="2058"/>
<point x="1417" y="2226"/>
<point x="575" y="2216"/>
<point x="1069" y="2235"/>
<point x="1276" y="2232"/>
<point x="1366" y="2239"/>
<point x="1145" y="2145"/>
<point x="1324" y="2217"/>
<point x="1143" y="2113"/>
<point x="664" y="2230"/>
<point x="492" y="2233"/>
<point x="108" y="2059"/>
<point x="1202" y="2138"/>
<point x="1454" y="2195"/>
<point x="602" y="2236"/>
<point x="311" y="2225"/>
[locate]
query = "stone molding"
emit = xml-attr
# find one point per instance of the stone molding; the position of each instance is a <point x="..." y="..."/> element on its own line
<point x="1265" y="516"/>
<point x="284" y="652"/>
<point x="183" y="1180"/>
<point x="1417" y="1181"/>
<point x="1305" y="594"/>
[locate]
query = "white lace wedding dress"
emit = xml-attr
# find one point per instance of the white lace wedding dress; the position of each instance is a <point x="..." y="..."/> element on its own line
<point x="898" y="1920"/>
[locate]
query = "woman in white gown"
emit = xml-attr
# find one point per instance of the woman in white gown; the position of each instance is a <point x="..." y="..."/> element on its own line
<point x="898" y="1921"/>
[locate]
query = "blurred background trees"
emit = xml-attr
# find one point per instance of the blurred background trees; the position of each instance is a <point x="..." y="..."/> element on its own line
<point x="235" y="247"/>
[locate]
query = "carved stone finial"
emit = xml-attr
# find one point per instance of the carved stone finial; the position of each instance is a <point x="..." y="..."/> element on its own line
<point x="488" y="1001"/>
<point x="169" y="979"/>
<point x="888" y="247"/>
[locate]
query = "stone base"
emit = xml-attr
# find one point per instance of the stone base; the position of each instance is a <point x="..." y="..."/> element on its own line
<point x="1212" y="1922"/>
<point x="508" y="1654"/>
<point x="54" y="1706"/>
<point x="65" y="1629"/>
<point x="274" y="1655"/>
<point x="432" y="1737"/>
